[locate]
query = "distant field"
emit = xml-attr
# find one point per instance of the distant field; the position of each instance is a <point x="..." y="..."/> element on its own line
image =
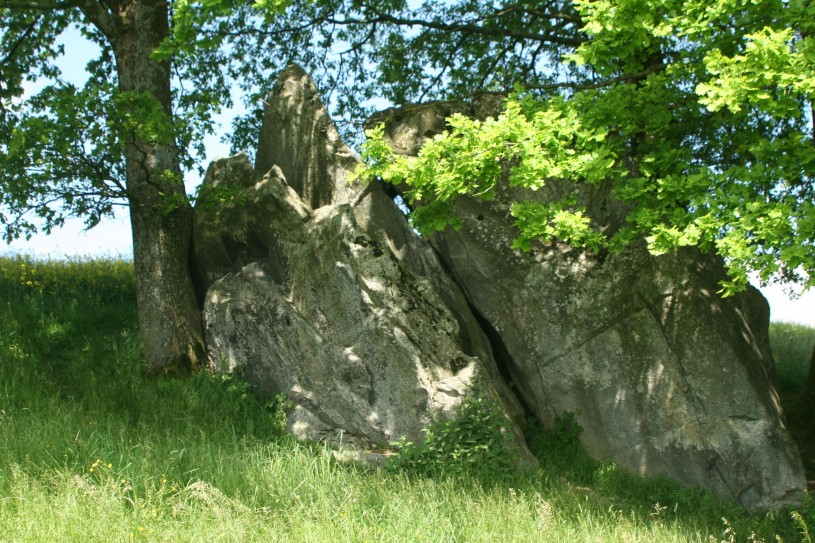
<point x="92" y="450"/>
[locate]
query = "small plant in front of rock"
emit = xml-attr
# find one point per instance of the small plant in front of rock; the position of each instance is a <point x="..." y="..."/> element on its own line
<point x="281" y="406"/>
<point x="237" y="396"/>
<point x="561" y="440"/>
<point x="475" y="440"/>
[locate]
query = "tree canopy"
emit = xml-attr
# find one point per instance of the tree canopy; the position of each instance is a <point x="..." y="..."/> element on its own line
<point x="697" y="114"/>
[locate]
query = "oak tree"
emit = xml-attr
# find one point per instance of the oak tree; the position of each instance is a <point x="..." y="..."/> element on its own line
<point x="123" y="138"/>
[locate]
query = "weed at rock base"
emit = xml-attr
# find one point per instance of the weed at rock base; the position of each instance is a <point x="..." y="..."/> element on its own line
<point x="475" y="439"/>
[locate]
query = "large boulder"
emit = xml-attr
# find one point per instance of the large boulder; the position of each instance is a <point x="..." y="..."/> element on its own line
<point x="665" y="376"/>
<point x="323" y="292"/>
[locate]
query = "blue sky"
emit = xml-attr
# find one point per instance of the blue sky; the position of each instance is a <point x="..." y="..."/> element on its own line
<point x="112" y="237"/>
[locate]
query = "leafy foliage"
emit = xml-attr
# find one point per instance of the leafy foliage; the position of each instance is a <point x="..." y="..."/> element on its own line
<point x="59" y="157"/>
<point x="472" y="158"/>
<point x="697" y="116"/>
<point x="474" y="441"/>
<point x="63" y="146"/>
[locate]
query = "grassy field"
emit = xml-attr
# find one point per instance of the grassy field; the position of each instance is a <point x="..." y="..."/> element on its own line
<point x="91" y="450"/>
<point x="792" y="348"/>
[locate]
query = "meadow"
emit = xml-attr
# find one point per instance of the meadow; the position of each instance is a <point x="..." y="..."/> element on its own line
<point x="92" y="450"/>
<point x="792" y="348"/>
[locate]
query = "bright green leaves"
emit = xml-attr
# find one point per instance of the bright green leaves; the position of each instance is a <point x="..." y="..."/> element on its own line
<point x="624" y="34"/>
<point x="697" y="115"/>
<point x="16" y="143"/>
<point x="189" y="17"/>
<point x="774" y="71"/>
<point x="528" y="144"/>
<point x="772" y="235"/>
<point x="478" y="439"/>
<point x="665" y="238"/>
<point x="271" y="7"/>
<point x="559" y="221"/>
<point x="141" y="117"/>
<point x="204" y="25"/>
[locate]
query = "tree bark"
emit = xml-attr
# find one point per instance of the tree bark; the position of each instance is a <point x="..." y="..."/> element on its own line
<point x="160" y="212"/>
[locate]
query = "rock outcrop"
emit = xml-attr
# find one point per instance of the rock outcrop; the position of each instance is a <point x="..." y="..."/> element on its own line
<point x="323" y="292"/>
<point x="666" y="377"/>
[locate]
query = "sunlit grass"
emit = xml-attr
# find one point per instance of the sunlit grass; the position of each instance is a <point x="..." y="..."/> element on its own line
<point x="111" y="279"/>
<point x="92" y="450"/>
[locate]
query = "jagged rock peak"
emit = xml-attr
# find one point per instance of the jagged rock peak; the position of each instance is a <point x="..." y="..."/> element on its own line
<point x="300" y="138"/>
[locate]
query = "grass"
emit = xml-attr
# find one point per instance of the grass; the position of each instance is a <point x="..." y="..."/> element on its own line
<point x="92" y="450"/>
<point x="792" y="346"/>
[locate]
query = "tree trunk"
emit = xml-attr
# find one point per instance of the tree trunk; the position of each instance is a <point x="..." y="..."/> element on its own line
<point x="160" y="213"/>
<point x="169" y="317"/>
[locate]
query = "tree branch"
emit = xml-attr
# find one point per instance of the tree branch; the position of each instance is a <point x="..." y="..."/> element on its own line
<point x="93" y="10"/>
<point x="38" y="6"/>
<point x="623" y="78"/>
<point x="101" y="18"/>
<point x="452" y="27"/>
<point x="16" y="45"/>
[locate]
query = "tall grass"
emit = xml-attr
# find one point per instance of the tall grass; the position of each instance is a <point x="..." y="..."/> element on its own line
<point x="92" y="450"/>
<point x="792" y="346"/>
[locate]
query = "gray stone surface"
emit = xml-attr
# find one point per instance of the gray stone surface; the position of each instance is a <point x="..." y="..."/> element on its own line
<point x="232" y="225"/>
<point x="366" y="349"/>
<point x="323" y="292"/>
<point x="299" y="137"/>
<point x="667" y="378"/>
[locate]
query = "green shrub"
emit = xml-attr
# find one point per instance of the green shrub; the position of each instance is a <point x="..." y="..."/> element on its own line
<point x="475" y="440"/>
